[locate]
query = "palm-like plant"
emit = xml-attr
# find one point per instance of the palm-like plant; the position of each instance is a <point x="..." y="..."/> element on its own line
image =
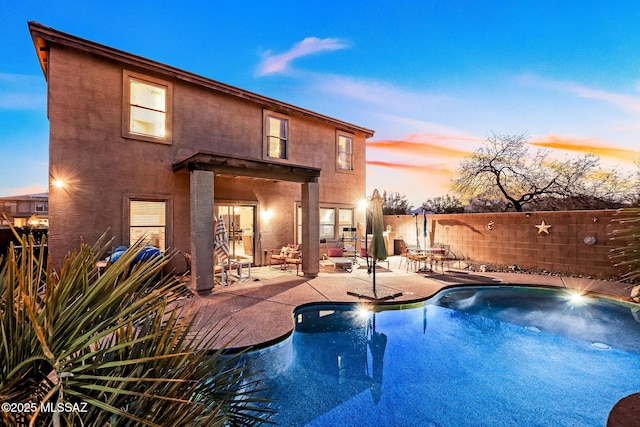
<point x="627" y="234"/>
<point x="119" y="345"/>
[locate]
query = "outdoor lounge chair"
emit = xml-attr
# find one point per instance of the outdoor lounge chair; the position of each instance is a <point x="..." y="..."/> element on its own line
<point x="335" y="256"/>
<point x="295" y="258"/>
<point x="279" y="256"/>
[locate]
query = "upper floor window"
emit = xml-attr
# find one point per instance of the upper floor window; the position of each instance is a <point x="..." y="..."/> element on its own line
<point x="42" y="206"/>
<point x="345" y="153"/>
<point x="147" y="108"/>
<point x="277" y="136"/>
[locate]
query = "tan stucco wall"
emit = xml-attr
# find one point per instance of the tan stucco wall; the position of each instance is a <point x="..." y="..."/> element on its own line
<point x="513" y="238"/>
<point x="88" y="151"/>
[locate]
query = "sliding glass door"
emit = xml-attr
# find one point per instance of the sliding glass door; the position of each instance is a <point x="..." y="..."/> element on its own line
<point x="239" y="221"/>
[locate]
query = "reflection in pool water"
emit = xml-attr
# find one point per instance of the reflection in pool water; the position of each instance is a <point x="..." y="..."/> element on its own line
<point x="490" y="356"/>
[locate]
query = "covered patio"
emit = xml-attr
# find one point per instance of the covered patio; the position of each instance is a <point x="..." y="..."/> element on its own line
<point x="204" y="166"/>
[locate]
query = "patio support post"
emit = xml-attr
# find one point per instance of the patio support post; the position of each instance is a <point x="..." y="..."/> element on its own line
<point x="310" y="229"/>
<point x="201" y="200"/>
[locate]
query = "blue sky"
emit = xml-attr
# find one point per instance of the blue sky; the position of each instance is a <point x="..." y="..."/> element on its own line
<point x="432" y="78"/>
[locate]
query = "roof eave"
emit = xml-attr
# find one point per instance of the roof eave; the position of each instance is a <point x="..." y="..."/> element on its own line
<point x="44" y="36"/>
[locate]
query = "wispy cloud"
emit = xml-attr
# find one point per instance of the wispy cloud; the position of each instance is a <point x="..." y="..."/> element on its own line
<point x="625" y="102"/>
<point x="279" y="63"/>
<point x="22" y="92"/>
<point x="382" y="93"/>
<point x="586" y="145"/>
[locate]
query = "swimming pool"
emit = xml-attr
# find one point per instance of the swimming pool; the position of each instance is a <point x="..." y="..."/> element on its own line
<point x="481" y="356"/>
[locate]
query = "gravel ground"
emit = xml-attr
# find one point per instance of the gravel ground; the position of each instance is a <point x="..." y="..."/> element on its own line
<point x="498" y="268"/>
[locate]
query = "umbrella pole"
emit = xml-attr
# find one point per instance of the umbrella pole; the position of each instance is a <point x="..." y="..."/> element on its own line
<point x="374" y="276"/>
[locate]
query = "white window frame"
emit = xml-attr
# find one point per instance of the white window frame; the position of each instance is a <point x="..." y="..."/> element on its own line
<point x="325" y="225"/>
<point x="341" y="224"/>
<point x="129" y="76"/>
<point x="266" y="137"/>
<point x="350" y="156"/>
<point x="337" y="225"/>
<point x="168" y="209"/>
<point x="42" y="206"/>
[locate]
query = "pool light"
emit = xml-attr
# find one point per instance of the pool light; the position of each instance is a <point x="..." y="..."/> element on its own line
<point x="363" y="312"/>
<point x="576" y="299"/>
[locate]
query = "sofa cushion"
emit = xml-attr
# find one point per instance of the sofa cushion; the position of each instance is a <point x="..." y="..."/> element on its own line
<point x="334" y="252"/>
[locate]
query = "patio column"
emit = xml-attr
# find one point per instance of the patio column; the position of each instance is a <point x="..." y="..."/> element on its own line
<point x="201" y="201"/>
<point x="310" y="229"/>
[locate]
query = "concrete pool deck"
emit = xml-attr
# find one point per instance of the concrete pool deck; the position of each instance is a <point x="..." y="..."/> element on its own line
<point x="260" y="311"/>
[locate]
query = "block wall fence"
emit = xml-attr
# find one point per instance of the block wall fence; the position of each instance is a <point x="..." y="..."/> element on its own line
<point x="578" y="241"/>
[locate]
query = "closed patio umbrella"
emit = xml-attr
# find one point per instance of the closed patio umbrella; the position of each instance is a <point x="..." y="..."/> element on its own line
<point x="221" y="245"/>
<point x="424" y="227"/>
<point x="377" y="250"/>
<point x="377" y="345"/>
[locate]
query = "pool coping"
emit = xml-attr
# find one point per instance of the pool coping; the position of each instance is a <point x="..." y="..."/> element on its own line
<point x="260" y="314"/>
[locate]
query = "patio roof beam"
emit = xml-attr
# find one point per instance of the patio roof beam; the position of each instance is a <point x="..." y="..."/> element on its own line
<point x="239" y="166"/>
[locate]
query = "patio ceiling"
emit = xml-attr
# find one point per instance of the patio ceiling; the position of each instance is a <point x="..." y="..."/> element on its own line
<point x="240" y="166"/>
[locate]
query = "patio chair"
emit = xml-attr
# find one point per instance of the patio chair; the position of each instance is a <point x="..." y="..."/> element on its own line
<point x="187" y="258"/>
<point x="335" y="255"/>
<point x="415" y="258"/>
<point x="441" y="255"/>
<point x="279" y="256"/>
<point x="404" y="252"/>
<point x="295" y="258"/>
<point x="222" y="269"/>
<point x="407" y="255"/>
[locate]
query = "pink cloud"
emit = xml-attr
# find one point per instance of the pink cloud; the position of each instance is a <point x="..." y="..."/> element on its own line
<point x="410" y="148"/>
<point x="19" y="191"/>
<point x="586" y="145"/>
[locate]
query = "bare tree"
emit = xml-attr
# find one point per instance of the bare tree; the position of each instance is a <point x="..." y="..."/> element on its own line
<point x="504" y="169"/>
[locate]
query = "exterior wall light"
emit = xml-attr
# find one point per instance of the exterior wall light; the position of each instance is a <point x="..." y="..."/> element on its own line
<point x="58" y="183"/>
<point x="266" y="214"/>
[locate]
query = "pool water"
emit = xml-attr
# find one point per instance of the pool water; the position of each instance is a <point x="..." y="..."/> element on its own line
<point x="485" y="356"/>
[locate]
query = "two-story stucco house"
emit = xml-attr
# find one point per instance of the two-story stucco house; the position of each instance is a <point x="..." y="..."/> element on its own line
<point x="25" y="210"/>
<point x="142" y="148"/>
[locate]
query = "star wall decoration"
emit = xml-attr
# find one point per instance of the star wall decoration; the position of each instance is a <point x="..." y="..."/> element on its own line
<point x="543" y="228"/>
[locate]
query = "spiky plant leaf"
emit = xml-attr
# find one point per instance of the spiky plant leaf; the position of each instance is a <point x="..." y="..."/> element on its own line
<point x="123" y="342"/>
